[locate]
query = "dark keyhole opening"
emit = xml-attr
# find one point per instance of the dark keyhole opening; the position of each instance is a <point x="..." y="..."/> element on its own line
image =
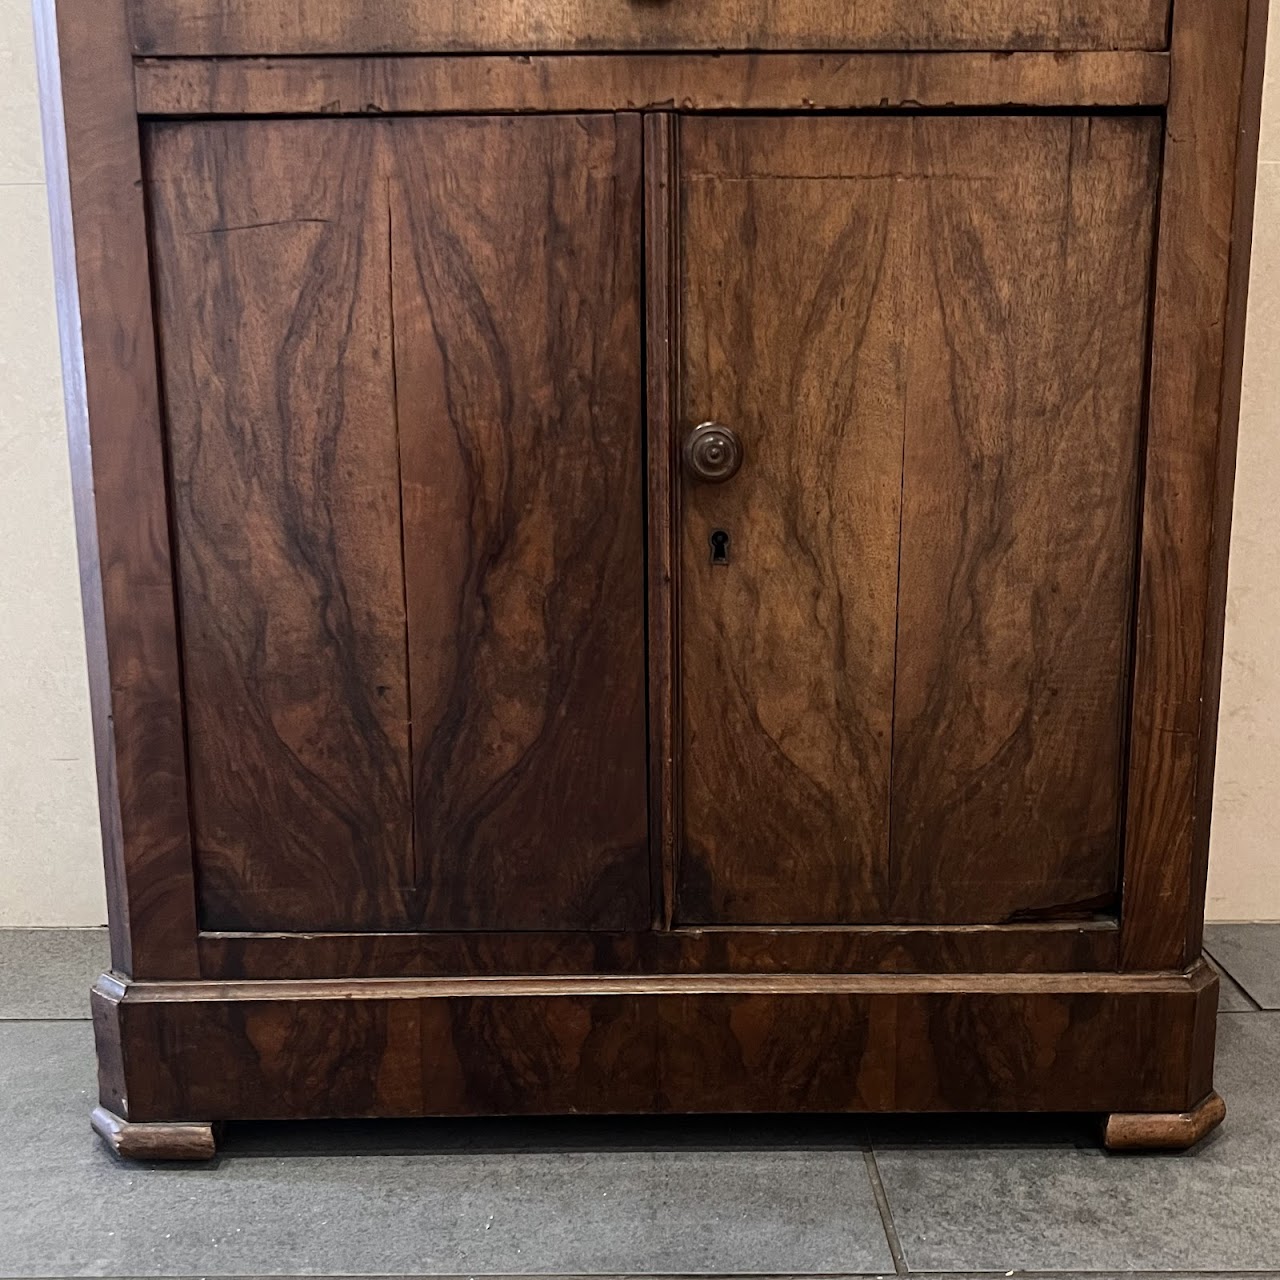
<point x="719" y="547"/>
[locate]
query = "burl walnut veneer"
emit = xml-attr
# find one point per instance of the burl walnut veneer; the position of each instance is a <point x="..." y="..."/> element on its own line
<point x="652" y="556"/>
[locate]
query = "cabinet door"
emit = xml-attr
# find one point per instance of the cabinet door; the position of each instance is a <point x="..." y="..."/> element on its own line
<point x="902" y="694"/>
<point x="401" y="370"/>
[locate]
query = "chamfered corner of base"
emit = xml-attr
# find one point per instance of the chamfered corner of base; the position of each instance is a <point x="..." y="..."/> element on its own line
<point x="1164" y="1130"/>
<point x="176" y="1140"/>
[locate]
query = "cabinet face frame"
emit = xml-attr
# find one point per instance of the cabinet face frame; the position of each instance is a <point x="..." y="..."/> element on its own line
<point x="1213" y="74"/>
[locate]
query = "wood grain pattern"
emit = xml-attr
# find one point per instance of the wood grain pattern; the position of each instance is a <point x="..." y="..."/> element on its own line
<point x="1186" y="500"/>
<point x="1164" y="1131"/>
<point x="221" y="27"/>
<point x="1023" y="398"/>
<point x="113" y="1084"/>
<point x="117" y="466"/>
<point x="786" y="653"/>
<point x="1088" y="946"/>
<point x="177" y="1140"/>
<point x="749" y="1043"/>
<point x="689" y="82"/>
<point x="516" y="273"/>
<point x="272" y="262"/>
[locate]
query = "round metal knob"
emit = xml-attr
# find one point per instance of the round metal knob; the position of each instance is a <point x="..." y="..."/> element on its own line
<point x="713" y="452"/>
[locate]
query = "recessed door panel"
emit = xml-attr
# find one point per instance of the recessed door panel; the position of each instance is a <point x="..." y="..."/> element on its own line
<point x="902" y="686"/>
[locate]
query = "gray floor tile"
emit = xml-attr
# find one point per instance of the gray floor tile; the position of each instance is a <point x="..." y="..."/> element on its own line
<point x="1052" y="1200"/>
<point x="1231" y="996"/>
<point x="47" y="973"/>
<point x="533" y="1198"/>
<point x="1250" y="953"/>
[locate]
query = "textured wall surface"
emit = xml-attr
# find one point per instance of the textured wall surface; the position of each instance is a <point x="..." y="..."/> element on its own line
<point x="50" y="870"/>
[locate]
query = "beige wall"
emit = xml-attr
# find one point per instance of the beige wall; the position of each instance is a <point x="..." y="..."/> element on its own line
<point x="1244" y="869"/>
<point x="49" y="854"/>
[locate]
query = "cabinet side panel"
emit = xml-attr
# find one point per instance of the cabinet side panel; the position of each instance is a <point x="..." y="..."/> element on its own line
<point x="1020" y="488"/>
<point x="272" y="262"/>
<point x="518" y="360"/>
<point x="1187" y="496"/>
<point x="1248" y="135"/>
<point x="113" y="416"/>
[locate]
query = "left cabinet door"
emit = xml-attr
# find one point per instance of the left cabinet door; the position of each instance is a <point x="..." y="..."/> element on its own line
<point x="402" y="376"/>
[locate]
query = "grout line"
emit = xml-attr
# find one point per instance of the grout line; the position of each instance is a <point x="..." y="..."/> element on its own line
<point x="77" y="1017"/>
<point x="1235" y="982"/>
<point x="578" y="1275"/>
<point x="710" y="1275"/>
<point x="886" y="1214"/>
<point x="715" y="1275"/>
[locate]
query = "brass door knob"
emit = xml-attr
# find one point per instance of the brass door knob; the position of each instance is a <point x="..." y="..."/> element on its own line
<point x="713" y="452"/>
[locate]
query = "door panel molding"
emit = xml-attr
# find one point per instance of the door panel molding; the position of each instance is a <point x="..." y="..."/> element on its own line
<point x="1053" y="947"/>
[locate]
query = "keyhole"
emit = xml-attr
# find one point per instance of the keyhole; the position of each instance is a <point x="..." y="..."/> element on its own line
<point x="719" y="547"/>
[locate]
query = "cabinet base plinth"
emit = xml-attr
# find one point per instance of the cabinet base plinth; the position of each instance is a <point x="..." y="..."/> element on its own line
<point x="1164" y="1131"/>
<point x="1135" y="1046"/>
<point x="185" y="1140"/>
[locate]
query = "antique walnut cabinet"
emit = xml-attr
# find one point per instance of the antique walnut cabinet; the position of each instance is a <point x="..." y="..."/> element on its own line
<point x="653" y="555"/>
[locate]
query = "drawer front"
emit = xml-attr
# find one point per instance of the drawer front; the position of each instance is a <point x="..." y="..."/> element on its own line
<point x="221" y="27"/>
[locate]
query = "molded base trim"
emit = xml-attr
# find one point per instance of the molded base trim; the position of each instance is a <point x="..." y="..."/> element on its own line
<point x="1167" y="1131"/>
<point x="1115" y="1043"/>
<point x="184" y="1140"/>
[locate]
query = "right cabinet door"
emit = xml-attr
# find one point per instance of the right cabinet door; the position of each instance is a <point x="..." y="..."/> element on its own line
<point x="905" y="621"/>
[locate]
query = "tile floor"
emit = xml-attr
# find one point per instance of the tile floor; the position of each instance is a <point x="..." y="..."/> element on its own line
<point x="769" y="1196"/>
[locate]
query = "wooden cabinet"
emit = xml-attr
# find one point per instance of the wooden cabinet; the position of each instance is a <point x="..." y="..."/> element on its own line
<point x="653" y="557"/>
